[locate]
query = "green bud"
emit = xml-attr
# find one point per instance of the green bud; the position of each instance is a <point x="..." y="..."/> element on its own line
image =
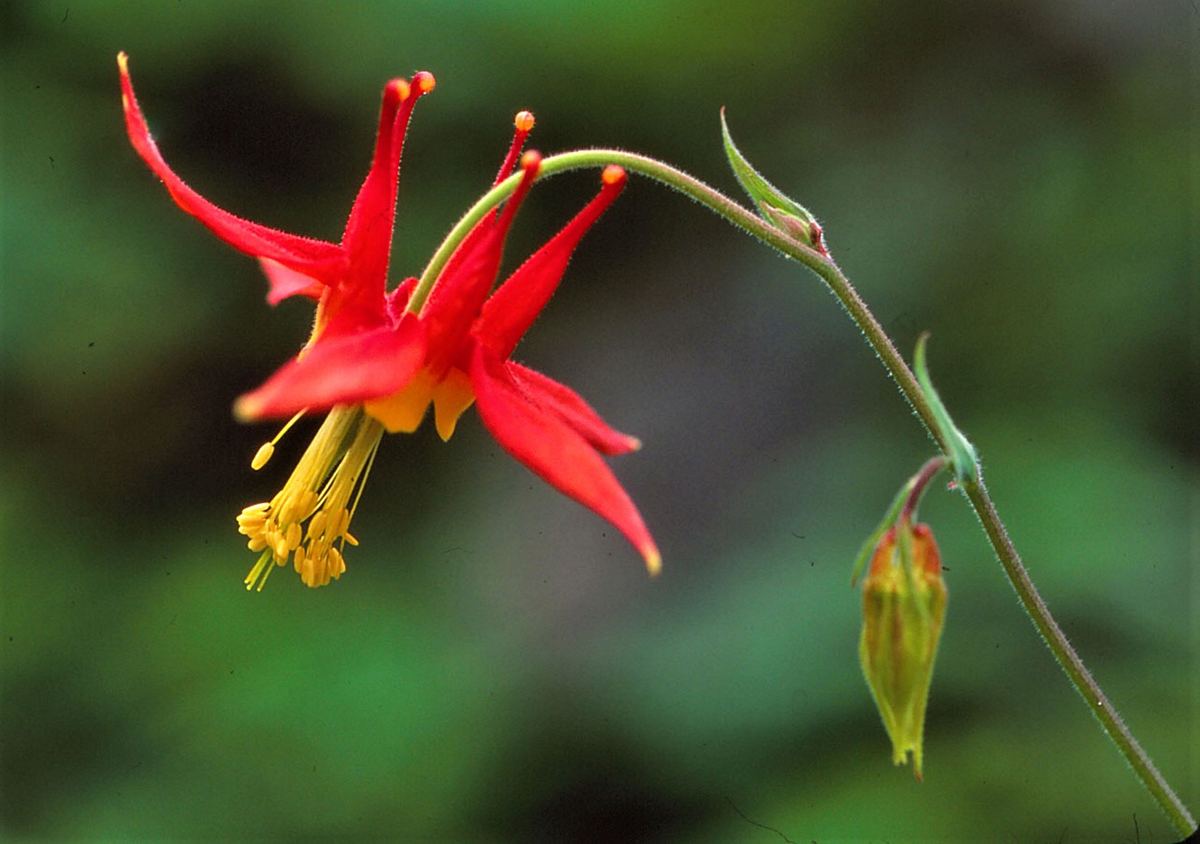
<point x="777" y="208"/>
<point x="904" y="604"/>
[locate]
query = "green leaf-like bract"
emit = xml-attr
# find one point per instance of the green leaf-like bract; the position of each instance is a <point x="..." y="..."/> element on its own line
<point x="958" y="447"/>
<point x="775" y="206"/>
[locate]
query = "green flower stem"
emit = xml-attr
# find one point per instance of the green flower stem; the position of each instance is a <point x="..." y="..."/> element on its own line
<point x="974" y="489"/>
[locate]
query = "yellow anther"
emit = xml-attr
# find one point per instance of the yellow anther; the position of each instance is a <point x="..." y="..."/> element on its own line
<point x="337" y="565"/>
<point x="261" y="508"/>
<point x="316" y="525"/>
<point x="264" y="453"/>
<point x="343" y="522"/>
<point x="293" y="536"/>
<point x="317" y="549"/>
<point x="349" y="537"/>
<point x="267" y="449"/>
<point x="300" y="525"/>
<point x="250" y="525"/>
<point x="425" y="81"/>
<point x="524" y="121"/>
<point x="292" y="510"/>
<point x="401" y="88"/>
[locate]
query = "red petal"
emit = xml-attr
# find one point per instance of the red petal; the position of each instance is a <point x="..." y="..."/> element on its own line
<point x="340" y="369"/>
<point x="305" y="255"/>
<point x="572" y="409"/>
<point x="507" y="315"/>
<point x="522" y="126"/>
<point x="284" y="282"/>
<point x="553" y="451"/>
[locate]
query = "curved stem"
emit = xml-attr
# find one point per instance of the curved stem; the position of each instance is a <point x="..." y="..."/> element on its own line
<point x="975" y="491"/>
<point x="919" y="483"/>
<point x="1078" y="673"/>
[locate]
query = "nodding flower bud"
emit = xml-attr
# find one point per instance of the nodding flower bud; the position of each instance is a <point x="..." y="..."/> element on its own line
<point x="904" y="605"/>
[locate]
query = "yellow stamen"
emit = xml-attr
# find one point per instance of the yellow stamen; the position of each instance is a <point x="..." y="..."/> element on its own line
<point x="259" y="567"/>
<point x="293" y="536"/>
<point x="266" y="450"/>
<point x="316" y="525"/>
<point x="313" y="510"/>
<point x="524" y="121"/>
<point x="262" y="456"/>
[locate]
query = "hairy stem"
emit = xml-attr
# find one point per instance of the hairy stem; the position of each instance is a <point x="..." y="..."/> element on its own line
<point x="878" y="339"/>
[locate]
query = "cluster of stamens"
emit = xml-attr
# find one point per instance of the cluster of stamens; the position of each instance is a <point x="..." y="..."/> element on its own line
<point x="308" y="520"/>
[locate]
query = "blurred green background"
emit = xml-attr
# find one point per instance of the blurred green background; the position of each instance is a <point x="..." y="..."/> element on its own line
<point x="1020" y="179"/>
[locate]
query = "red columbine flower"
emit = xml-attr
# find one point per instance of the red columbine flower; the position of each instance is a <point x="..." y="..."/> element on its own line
<point x="376" y="364"/>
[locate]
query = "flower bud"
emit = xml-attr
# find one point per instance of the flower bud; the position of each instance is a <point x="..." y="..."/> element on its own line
<point x="777" y="208"/>
<point x="904" y="604"/>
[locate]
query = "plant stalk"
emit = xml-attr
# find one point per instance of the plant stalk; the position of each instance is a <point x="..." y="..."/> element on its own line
<point x="975" y="491"/>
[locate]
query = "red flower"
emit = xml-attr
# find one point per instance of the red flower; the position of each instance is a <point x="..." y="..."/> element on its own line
<point x="375" y="363"/>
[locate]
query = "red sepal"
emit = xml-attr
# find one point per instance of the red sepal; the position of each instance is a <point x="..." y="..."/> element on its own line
<point x="318" y="258"/>
<point x="340" y="369"/>
<point x="507" y="315"/>
<point x="549" y="448"/>
<point x="570" y="407"/>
